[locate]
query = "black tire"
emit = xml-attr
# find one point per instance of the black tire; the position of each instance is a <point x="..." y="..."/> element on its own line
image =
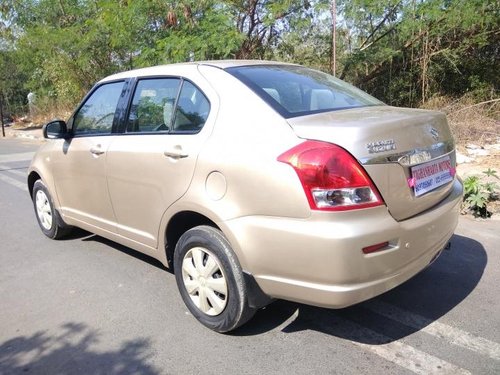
<point x="214" y="246"/>
<point x="49" y="221"/>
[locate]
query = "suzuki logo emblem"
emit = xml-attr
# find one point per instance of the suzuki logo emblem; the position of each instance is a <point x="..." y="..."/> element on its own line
<point x="434" y="133"/>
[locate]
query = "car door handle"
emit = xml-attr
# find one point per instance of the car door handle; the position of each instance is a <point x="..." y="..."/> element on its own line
<point x="175" y="153"/>
<point x="96" y="150"/>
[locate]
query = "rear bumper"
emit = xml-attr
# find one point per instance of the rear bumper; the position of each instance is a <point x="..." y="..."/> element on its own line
<point x="319" y="260"/>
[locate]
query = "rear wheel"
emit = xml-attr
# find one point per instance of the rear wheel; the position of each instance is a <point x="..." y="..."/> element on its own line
<point x="50" y="223"/>
<point x="210" y="279"/>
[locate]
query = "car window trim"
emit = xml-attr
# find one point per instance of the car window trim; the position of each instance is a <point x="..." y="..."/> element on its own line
<point x="123" y="105"/>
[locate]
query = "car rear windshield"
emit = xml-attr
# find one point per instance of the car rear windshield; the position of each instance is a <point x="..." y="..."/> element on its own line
<point x="297" y="91"/>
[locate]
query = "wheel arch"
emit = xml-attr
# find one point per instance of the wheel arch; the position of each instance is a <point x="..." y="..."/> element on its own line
<point x="180" y="223"/>
<point x="32" y="178"/>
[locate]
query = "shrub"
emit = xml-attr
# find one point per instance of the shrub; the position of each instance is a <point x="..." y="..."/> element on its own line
<point x="478" y="193"/>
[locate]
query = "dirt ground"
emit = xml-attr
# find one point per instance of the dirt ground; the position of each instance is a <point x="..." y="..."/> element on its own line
<point x="478" y="165"/>
<point x="32" y="133"/>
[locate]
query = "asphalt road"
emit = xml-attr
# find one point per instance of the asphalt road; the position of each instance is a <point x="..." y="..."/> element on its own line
<point x="85" y="305"/>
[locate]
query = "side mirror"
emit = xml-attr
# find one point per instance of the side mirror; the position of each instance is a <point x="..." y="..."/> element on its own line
<point x="55" y="129"/>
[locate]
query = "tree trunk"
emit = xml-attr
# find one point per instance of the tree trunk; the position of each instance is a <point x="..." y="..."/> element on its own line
<point x="1" y="114"/>
<point x="333" y="57"/>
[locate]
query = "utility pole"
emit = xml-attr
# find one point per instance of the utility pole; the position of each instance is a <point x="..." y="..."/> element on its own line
<point x="1" y="114"/>
<point x="333" y="57"/>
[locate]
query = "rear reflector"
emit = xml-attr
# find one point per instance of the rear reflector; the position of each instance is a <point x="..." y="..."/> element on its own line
<point x="374" y="248"/>
<point x="332" y="178"/>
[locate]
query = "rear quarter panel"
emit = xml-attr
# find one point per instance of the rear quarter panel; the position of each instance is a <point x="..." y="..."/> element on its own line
<point x="242" y="152"/>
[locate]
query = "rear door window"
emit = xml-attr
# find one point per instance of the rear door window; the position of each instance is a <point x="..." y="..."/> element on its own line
<point x="152" y="108"/>
<point x="171" y="105"/>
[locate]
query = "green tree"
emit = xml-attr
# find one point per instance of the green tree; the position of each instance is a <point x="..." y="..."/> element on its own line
<point x="406" y="51"/>
<point x="402" y="51"/>
<point x="10" y="77"/>
<point x="191" y="30"/>
<point x="61" y="46"/>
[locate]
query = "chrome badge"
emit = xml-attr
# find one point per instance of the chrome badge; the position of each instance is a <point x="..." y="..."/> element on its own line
<point x="381" y="146"/>
<point x="434" y="133"/>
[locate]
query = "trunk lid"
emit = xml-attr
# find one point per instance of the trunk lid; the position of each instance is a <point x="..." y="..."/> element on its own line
<point x="408" y="153"/>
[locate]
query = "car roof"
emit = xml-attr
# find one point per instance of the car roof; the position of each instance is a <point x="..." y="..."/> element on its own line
<point x="180" y="68"/>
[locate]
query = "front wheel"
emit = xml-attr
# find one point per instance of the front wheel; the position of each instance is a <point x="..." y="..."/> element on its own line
<point x="210" y="279"/>
<point x="46" y="215"/>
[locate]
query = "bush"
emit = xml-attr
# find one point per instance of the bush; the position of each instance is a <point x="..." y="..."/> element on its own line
<point x="470" y="120"/>
<point x="478" y="193"/>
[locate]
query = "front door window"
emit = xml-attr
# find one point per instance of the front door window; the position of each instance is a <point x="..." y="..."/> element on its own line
<point x="97" y="113"/>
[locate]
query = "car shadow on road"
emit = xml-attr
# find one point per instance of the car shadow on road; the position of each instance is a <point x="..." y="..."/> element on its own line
<point x="391" y="316"/>
<point x="398" y="313"/>
<point x="127" y="250"/>
<point x="83" y="235"/>
<point x="71" y="350"/>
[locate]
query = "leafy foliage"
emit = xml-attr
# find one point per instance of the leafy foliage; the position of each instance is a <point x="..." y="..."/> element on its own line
<point x="402" y="51"/>
<point x="406" y="51"/>
<point x="477" y="193"/>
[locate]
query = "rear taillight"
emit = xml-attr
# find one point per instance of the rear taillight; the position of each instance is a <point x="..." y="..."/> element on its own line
<point x="332" y="179"/>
